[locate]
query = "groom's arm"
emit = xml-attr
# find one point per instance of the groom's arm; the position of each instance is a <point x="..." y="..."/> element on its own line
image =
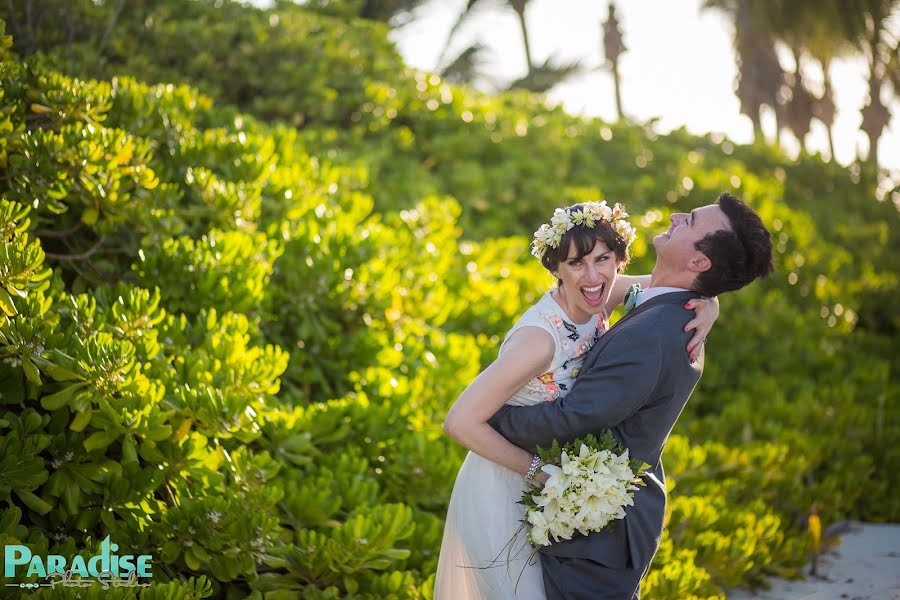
<point x="619" y="383"/>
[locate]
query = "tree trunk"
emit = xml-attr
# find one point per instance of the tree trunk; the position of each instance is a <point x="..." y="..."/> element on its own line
<point x="758" y="133"/>
<point x="828" y="104"/>
<point x="831" y="142"/>
<point x="875" y="115"/>
<point x="519" y="7"/>
<point x="615" y="74"/>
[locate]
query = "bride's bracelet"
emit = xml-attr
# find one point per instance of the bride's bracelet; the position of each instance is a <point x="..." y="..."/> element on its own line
<point x="535" y="463"/>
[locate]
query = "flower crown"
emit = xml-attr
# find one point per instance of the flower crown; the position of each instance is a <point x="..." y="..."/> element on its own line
<point x="564" y="219"/>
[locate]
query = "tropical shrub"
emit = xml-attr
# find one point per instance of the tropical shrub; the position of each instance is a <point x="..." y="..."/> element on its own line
<point x="229" y="341"/>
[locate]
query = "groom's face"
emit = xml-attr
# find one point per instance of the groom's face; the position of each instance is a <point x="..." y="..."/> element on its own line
<point x="676" y="246"/>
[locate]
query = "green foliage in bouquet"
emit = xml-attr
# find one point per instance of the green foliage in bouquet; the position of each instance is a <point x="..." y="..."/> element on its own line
<point x="232" y="321"/>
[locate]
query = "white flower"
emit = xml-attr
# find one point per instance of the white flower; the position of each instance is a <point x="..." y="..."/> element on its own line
<point x="538" y="536"/>
<point x="557" y="483"/>
<point x="584" y="493"/>
<point x="561" y="528"/>
<point x="549" y="235"/>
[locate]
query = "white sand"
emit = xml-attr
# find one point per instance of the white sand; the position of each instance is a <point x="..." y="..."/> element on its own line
<point x="865" y="566"/>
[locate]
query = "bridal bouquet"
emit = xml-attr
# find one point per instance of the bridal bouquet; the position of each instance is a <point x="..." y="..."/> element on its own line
<point x="591" y="482"/>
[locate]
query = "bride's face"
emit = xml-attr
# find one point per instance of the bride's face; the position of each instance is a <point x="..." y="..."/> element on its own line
<point x="587" y="281"/>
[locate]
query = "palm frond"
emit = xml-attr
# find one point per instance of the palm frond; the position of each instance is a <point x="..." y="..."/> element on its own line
<point x="465" y="67"/>
<point x="470" y="9"/>
<point x="546" y="76"/>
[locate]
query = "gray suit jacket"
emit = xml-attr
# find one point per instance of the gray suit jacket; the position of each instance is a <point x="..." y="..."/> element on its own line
<point x="635" y="381"/>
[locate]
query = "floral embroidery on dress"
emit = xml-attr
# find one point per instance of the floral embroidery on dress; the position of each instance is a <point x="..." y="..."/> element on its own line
<point x="573" y="331"/>
<point x="553" y="319"/>
<point x="551" y="388"/>
<point x="572" y="342"/>
<point x="587" y="341"/>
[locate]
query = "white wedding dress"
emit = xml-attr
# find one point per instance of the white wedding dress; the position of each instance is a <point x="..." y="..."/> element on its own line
<point x="477" y="560"/>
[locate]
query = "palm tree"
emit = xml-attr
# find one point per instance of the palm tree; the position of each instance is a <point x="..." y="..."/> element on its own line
<point x="867" y="28"/>
<point x="538" y="78"/>
<point x="825" y="41"/>
<point x="613" y="48"/>
<point x="799" y="110"/>
<point x="760" y="76"/>
<point x="813" y="30"/>
<point x="796" y="24"/>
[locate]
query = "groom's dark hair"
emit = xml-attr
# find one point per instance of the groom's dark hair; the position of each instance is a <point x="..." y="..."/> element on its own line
<point x="738" y="255"/>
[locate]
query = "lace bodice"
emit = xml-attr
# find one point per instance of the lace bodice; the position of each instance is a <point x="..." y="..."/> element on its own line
<point x="572" y="343"/>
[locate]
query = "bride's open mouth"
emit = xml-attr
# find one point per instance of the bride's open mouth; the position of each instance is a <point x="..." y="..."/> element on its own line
<point x="594" y="295"/>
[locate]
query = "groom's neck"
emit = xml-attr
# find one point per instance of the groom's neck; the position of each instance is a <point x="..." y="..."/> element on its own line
<point x="660" y="277"/>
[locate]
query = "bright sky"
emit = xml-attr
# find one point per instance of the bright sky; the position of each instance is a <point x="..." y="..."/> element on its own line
<point x="679" y="66"/>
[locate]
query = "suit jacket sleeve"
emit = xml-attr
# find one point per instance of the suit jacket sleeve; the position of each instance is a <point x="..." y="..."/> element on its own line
<point x="614" y="387"/>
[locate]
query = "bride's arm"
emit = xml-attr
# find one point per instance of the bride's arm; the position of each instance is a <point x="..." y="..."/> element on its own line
<point x="706" y="309"/>
<point x="620" y="288"/>
<point x="526" y="354"/>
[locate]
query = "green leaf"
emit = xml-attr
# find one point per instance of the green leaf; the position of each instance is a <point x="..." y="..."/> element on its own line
<point x="31" y="372"/>
<point x="169" y="551"/>
<point x="61" y="398"/>
<point x="33" y="502"/>
<point x="89" y="216"/>
<point x="6" y="304"/>
<point x="71" y="498"/>
<point x="191" y="560"/>
<point x="55" y="371"/>
<point x="129" y="450"/>
<point x="81" y="419"/>
<point x="108" y="518"/>
<point x="17" y="291"/>
<point x="149" y="452"/>
<point x="99" y="440"/>
<point x="200" y="552"/>
<point x="158" y="433"/>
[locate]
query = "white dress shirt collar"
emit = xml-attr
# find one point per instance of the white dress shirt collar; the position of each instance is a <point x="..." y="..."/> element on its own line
<point x="653" y="292"/>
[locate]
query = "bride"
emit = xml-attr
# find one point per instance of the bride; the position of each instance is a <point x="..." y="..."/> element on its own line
<point x="484" y="554"/>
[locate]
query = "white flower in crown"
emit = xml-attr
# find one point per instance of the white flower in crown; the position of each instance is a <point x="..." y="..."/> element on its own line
<point x="625" y="231"/>
<point x="550" y="235"/>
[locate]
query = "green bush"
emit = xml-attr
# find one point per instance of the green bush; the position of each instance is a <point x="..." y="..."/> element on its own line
<point x="230" y="341"/>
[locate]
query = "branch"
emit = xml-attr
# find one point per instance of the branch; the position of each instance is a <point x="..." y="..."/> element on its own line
<point x="112" y="23"/>
<point x="49" y="233"/>
<point x="78" y="257"/>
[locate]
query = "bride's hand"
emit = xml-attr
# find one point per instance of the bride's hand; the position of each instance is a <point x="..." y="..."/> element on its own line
<point x="706" y="311"/>
<point x="541" y="477"/>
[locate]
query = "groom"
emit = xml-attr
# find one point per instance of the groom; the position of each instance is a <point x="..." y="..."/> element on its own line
<point x="635" y="381"/>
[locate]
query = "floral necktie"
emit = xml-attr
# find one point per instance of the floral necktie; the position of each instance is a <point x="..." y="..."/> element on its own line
<point x="631" y="296"/>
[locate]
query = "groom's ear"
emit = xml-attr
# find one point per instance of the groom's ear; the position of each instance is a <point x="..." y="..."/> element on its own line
<point x="700" y="263"/>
